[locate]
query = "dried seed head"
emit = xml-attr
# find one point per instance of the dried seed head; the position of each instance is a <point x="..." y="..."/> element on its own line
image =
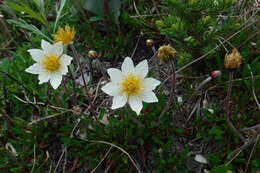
<point x="76" y="110"/>
<point x="149" y="42"/>
<point x="166" y="53"/>
<point x="233" y="60"/>
<point x="93" y="54"/>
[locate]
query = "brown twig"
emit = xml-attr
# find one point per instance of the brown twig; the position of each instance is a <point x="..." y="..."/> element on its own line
<point x="252" y="151"/>
<point x="102" y="159"/>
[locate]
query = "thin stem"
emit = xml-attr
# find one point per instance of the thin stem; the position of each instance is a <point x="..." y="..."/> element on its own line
<point x="80" y="66"/>
<point x="172" y="93"/>
<point x="228" y="111"/>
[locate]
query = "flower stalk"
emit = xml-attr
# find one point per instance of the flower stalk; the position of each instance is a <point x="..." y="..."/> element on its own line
<point x="227" y="108"/>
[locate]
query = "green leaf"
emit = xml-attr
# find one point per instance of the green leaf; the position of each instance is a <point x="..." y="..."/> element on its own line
<point x="26" y="9"/>
<point x="221" y="169"/>
<point x="21" y="23"/>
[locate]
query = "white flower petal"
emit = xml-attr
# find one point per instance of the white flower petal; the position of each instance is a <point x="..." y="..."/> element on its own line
<point x="119" y="101"/>
<point x="43" y="77"/>
<point x="115" y="74"/>
<point x="150" y="83"/>
<point x="56" y="49"/>
<point x="56" y="80"/>
<point x="201" y="159"/>
<point x="127" y="66"/>
<point x="37" y="54"/>
<point x="111" y="89"/>
<point x="149" y="97"/>
<point x="65" y="60"/>
<point x="136" y="104"/>
<point x="141" y="69"/>
<point x="34" y="69"/>
<point x="46" y="46"/>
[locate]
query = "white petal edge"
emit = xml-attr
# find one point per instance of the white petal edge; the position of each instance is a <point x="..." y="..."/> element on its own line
<point x="149" y="97"/>
<point x="141" y="69"/>
<point x="46" y="46"/>
<point x="119" y="101"/>
<point x="115" y="74"/>
<point x="66" y="60"/>
<point x="56" y="49"/>
<point x="150" y="83"/>
<point x="201" y="159"/>
<point x="34" y="69"/>
<point x="111" y="89"/>
<point x="44" y="77"/>
<point x="136" y="104"/>
<point x="55" y="80"/>
<point x="37" y="54"/>
<point x="127" y="66"/>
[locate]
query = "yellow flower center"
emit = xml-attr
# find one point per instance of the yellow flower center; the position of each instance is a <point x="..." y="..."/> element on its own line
<point x="51" y="63"/>
<point x="65" y="35"/>
<point x="131" y="84"/>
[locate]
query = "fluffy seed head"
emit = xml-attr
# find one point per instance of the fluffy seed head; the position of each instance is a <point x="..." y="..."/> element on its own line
<point x="166" y="53"/>
<point x="233" y="60"/>
<point x="65" y="35"/>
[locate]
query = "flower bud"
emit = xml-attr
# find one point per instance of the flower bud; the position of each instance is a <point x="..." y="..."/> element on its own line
<point x="215" y="74"/>
<point x="233" y="60"/>
<point x="149" y="42"/>
<point x="166" y="53"/>
<point x="93" y="54"/>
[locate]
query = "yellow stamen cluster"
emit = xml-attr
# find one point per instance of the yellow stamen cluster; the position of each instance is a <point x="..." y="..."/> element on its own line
<point x="233" y="60"/>
<point x="65" y="35"/>
<point x="51" y="63"/>
<point x="166" y="53"/>
<point x="131" y="84"/>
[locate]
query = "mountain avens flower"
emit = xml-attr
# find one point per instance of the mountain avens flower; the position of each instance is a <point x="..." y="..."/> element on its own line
<point x="50" y="64"/>
<point x="131" y="85"/>
<point x="166" y="53"/>
<point x="65" y="35"/>
<point x="233" y="60"/>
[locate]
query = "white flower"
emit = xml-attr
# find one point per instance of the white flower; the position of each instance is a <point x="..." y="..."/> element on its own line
<point x="130" y="85"/>
<point x="50" y="64"/>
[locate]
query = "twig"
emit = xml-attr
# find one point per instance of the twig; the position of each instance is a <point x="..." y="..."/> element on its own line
<point x="209" y="52"/>
<point x="149" y="15"/>
<point x="21" y="84"/>
<point x="240" y="149"/>
<point x="136" y="45"/>
<point x="102" y="159"/>
<point x="45" y="118"/>
<point x="251" y="153"/>
<point x="34" y="157"/>
<point x="65" y="149"/>
<point x="253" y="127"/>
<point x="121" y="149"/>
<point x="253" y="88"/>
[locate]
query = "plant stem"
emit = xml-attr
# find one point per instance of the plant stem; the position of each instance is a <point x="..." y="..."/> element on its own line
<point x="227" y="109"/>
<point x="80" y="66"/>
<point x="172" y="93"/>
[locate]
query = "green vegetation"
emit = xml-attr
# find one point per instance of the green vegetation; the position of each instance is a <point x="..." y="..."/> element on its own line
<point x="74" y="129"/>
